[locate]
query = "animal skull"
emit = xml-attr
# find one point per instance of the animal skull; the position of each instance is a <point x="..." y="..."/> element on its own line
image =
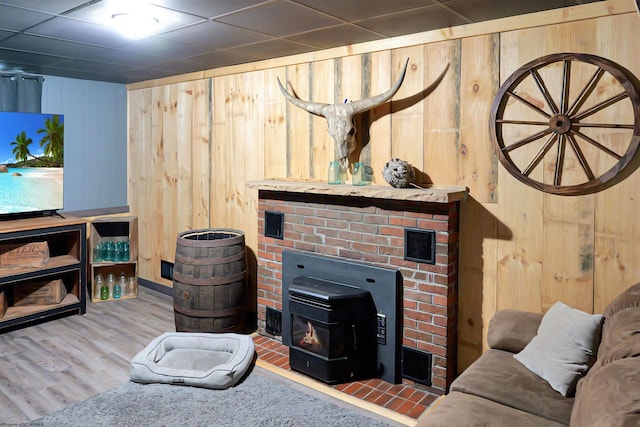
<point x="340" y="116"/>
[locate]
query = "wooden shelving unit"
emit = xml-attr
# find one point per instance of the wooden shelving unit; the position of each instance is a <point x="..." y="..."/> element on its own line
<point x="105" y="229"/>
<point x="66" y="241"/>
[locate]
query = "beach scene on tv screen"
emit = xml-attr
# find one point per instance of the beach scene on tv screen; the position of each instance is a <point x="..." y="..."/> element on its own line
<point x="31" y="162"/>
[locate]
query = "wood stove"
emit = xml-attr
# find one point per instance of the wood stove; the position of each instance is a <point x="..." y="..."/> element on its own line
<point x="340" y="318"/>
<point x="332" y="330"/>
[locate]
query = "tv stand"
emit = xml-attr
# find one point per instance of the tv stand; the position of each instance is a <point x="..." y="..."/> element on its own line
<point x="67" y="243"/>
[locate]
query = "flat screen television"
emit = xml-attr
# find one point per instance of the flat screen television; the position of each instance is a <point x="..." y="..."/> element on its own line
<point x="31" y="164"/>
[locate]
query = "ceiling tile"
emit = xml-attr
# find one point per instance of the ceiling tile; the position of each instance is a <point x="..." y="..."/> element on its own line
<point x="280" y="19"/>
<point x="215" y="35"/>
<point x="165" y="48"/>
<point x="131" y="59"/>
<point x="415" y="21"/>
<point x="27" y="58"/>
<point x="90" y="66"/>
<point x="206" y="8"/>
<point x="79" y="31"/>
<point x="51" y="6"/>
<point x="351" y="10"/>
<point x="273" y="49"/>
<point x="222" y="58"/>
<point x="341" y="35"/>
<point x="482" y="10"/>
<point x="50" y="46"/>
<point x="13" y="18"/>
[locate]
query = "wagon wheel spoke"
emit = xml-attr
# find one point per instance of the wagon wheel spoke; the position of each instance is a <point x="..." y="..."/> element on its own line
<point x="597" y="144"/>
<point x="527" y="140"/>
<point x="529" y="104"/>
<point x="561" y="124"/>
<point x="580" y="155"/>
<point x="605" y="126"/>
<point x="522" y="122"/>
<point x="601" y="106"/>
<point x="564" y="95"/>
<point x="545" y="92"/>
<point x="540" y="155"/>
<point x="588" y="89"/>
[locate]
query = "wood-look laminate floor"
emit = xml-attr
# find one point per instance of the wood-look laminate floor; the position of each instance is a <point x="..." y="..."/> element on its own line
<point x="49" y="366"/>
<point x="46" y="367"/>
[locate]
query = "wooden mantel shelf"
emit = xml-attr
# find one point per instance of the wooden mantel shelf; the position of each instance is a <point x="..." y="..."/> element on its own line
<point x="432" y="194"/>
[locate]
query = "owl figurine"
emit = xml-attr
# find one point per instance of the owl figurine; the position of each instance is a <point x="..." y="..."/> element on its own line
<point x="399" y="173"/>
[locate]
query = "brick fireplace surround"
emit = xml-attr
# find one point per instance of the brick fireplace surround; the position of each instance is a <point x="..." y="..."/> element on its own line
<point x="367" y="225"/>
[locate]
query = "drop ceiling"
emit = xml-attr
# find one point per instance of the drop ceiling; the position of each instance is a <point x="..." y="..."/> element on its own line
<point x="74" y="38"/>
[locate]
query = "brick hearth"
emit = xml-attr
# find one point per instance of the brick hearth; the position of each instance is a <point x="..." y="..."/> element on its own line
<point x="367" y="224"/>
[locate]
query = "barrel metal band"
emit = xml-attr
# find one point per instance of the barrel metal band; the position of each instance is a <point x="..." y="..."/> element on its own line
<point x="209" y="313"/>
<point x="210" y="261"/>
<point x="224" y="280"/>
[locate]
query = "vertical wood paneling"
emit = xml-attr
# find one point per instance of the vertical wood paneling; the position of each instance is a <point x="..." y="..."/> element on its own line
<point x="617" y="230"/>
<point x="519" y="247"/>
<point x="380" y="117"/>
<point x="407" y="121"/>
<point x="298" y="124"/>
<point x="184" y="157"/>
<point x="322" y="145"/>
<point x="156" y="184"/>
<point x="222" y="99"/>
<point x="168" y="170"/>
<point x="479" y="83"/>
<point x="478" y="170"/>
<point x="200" y="153"/>
<point x="275" y="111"/>
<point x="442" y="119"/>
<point x="140" y="148"/>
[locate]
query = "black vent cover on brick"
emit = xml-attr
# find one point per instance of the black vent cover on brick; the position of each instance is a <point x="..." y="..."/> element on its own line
<point x="420" y="245"/>
<point x="416" y="365"/>
<point x="273" y="322"/>
<point x="274" y="224"/>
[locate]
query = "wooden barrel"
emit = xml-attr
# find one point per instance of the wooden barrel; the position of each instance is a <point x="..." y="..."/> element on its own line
<point x="209" y="281"/>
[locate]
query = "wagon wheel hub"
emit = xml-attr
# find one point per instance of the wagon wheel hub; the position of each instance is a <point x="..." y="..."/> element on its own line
<point x="560" y="124"/>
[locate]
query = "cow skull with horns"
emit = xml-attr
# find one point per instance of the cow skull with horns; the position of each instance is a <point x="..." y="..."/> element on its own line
<point x="340" y="116"/>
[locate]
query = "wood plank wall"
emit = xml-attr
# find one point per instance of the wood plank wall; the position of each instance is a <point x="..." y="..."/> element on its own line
<point x="193" y="145"/>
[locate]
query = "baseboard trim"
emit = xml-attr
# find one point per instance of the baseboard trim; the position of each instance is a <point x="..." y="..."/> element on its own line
<point x="155" y="286"/>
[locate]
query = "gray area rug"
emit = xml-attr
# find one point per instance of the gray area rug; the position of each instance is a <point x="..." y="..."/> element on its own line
<point x="256" y="401"/>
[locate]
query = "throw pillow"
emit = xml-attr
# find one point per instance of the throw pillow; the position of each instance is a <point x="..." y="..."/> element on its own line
<point x="562" y="350"/>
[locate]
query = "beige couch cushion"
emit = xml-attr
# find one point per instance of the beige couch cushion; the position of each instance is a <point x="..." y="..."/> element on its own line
<point x="610" y="393"/>
<point x="497" y="376"/>
<point x="511" y="330"/>
<point x="460" y="409"/>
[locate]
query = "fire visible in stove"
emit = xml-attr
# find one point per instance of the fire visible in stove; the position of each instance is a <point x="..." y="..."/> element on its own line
<point x="310" y="339"/>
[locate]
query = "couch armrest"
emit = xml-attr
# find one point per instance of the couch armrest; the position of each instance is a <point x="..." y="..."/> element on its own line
<point x="511" y="330"/>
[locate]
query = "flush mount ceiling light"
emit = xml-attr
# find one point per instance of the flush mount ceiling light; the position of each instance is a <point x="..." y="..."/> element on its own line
<point x="133" y="24"/>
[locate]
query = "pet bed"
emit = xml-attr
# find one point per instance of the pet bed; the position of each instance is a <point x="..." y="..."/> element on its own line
<point x="206" y="360"/>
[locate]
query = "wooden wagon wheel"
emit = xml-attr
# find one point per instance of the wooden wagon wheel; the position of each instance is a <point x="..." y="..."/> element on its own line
<point x="593" y="143"/>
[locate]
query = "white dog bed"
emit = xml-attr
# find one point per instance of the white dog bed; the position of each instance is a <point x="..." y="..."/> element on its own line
<point x="197" y="359"/>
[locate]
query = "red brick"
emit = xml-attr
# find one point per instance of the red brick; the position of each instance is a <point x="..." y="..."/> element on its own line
<point x="363" y="247"/>
<point x="391" y="231"/>
<point x="433" y="225"/>
<point x="403" y="222"/>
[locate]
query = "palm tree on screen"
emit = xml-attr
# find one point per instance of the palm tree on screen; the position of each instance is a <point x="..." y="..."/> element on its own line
<point x="53" y="139"/>
<point x="21" y="146"/>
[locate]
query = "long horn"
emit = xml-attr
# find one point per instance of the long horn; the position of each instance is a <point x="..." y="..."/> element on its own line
<point x="312" y="107"/>
<point x="361" y="105"/>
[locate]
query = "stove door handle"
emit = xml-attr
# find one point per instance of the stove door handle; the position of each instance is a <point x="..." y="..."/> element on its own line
<point x="355" y="336"/>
